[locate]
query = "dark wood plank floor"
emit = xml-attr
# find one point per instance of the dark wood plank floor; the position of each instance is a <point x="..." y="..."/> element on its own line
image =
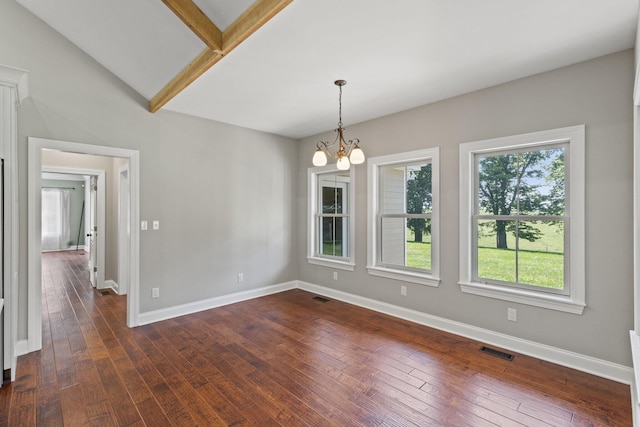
<point x="281" y="360"/>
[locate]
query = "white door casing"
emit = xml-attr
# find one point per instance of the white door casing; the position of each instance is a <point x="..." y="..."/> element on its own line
<point x="34" y="261"/>
<point x="14" y="88"/>
<point x="93" y="233"/>
<point x="124" y="229"/>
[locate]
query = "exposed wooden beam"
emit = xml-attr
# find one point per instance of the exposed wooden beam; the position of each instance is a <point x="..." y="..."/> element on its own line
<point x="258" y="14"/>
<point x="202" y="63"/>
<point x="199" y="23"/>
<point x="248" y="23"/>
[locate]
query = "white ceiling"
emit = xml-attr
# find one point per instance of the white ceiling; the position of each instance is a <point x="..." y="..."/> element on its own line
<point x="395" y="55"/>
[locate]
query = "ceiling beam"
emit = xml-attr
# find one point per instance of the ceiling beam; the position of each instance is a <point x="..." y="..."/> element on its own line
<point x="199" y="23"/>
<point x="195" y="69"/>
<point x="258" y="14"/>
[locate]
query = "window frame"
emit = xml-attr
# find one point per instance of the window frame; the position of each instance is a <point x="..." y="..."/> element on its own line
<point x="314" y="175"/>
<point x="375" y="267"/>
<point x="574" y="221"/>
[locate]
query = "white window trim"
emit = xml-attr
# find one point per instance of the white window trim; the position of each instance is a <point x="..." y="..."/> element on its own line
<point x="344" y="263"/>
<point x="373" y="268"/>
<point x="575" y="136"/>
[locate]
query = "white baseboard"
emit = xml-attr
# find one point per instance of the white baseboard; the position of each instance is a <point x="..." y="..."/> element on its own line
<point x="194" y="307"/>
<point x="599" y="367"/>
<point x="111" y="284"/>
<point x="69" y="249"/>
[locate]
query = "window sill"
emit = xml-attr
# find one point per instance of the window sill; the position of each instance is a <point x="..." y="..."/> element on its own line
<point x="552" y="302"/>
<point x="326" y="262"/>
<point x="405" y="276"/>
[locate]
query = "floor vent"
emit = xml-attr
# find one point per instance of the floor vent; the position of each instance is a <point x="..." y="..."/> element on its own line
<point x="321" y="299"/>
<point x="104" y="293"/>
<point x="497" y="353"/>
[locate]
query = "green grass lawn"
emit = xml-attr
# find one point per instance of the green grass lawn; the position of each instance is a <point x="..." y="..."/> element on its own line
<point x="419" y="255"/>
<point x="332" y="248"/>
<point x="534" y="268"/>
<point x="540" y="263"/>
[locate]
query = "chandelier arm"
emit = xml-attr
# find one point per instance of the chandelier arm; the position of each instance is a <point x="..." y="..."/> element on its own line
<point x="324" y="146"/>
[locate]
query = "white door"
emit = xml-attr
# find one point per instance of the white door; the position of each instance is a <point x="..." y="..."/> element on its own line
<point x="93" y="231"/>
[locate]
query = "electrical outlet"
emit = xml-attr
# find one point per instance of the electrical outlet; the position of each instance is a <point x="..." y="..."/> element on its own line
<point x="403" y="291"/>
<point x="155" y="293"/>
<point x="335" y="275"/>
<point x="156" y="225"/>
<point x="512" y="314"/>
<point x="240" y="277"/>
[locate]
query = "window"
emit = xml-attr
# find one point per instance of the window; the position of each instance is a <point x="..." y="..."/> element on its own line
<point x="56" y="233"/>
<point x="403" y="224"/>
<point x="331" y="210"/>
<point x="522" y="218"/>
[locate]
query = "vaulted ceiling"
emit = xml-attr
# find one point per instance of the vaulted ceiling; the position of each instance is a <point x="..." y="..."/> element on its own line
<point x="270" y="64"/>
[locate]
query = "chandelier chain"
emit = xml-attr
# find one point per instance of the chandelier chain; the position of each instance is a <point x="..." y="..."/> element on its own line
<point x="340" y="107"/>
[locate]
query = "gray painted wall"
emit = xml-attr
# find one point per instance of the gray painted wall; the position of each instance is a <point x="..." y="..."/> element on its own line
<point x="76" y="197"/>
<point x="224" y="195"/>
<point x="598" y="94"/>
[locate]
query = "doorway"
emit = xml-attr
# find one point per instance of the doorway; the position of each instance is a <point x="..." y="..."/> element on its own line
<point x="88" y="226"/>
<point x="35" y="153"/>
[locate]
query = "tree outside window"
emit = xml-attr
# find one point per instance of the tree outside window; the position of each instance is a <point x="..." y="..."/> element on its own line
<point x="405" y="215"/>
<point x="520" y="217"/>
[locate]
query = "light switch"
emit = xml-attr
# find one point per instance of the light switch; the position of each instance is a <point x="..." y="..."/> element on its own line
<point x="156" y="225"/>
<point x="144" y="225"/>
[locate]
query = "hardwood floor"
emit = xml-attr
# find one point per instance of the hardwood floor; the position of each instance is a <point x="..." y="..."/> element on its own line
<point x="283" y="360"/>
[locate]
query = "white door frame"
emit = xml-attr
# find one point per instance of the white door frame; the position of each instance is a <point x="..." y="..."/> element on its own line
<point x="100" y="214"/>
<point x="14" y="88"/>
<point x="34" y="262"/>
<point x="124" y="229"/>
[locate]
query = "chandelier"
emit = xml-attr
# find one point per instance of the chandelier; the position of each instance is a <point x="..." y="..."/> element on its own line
<point x="348" y="151"/>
